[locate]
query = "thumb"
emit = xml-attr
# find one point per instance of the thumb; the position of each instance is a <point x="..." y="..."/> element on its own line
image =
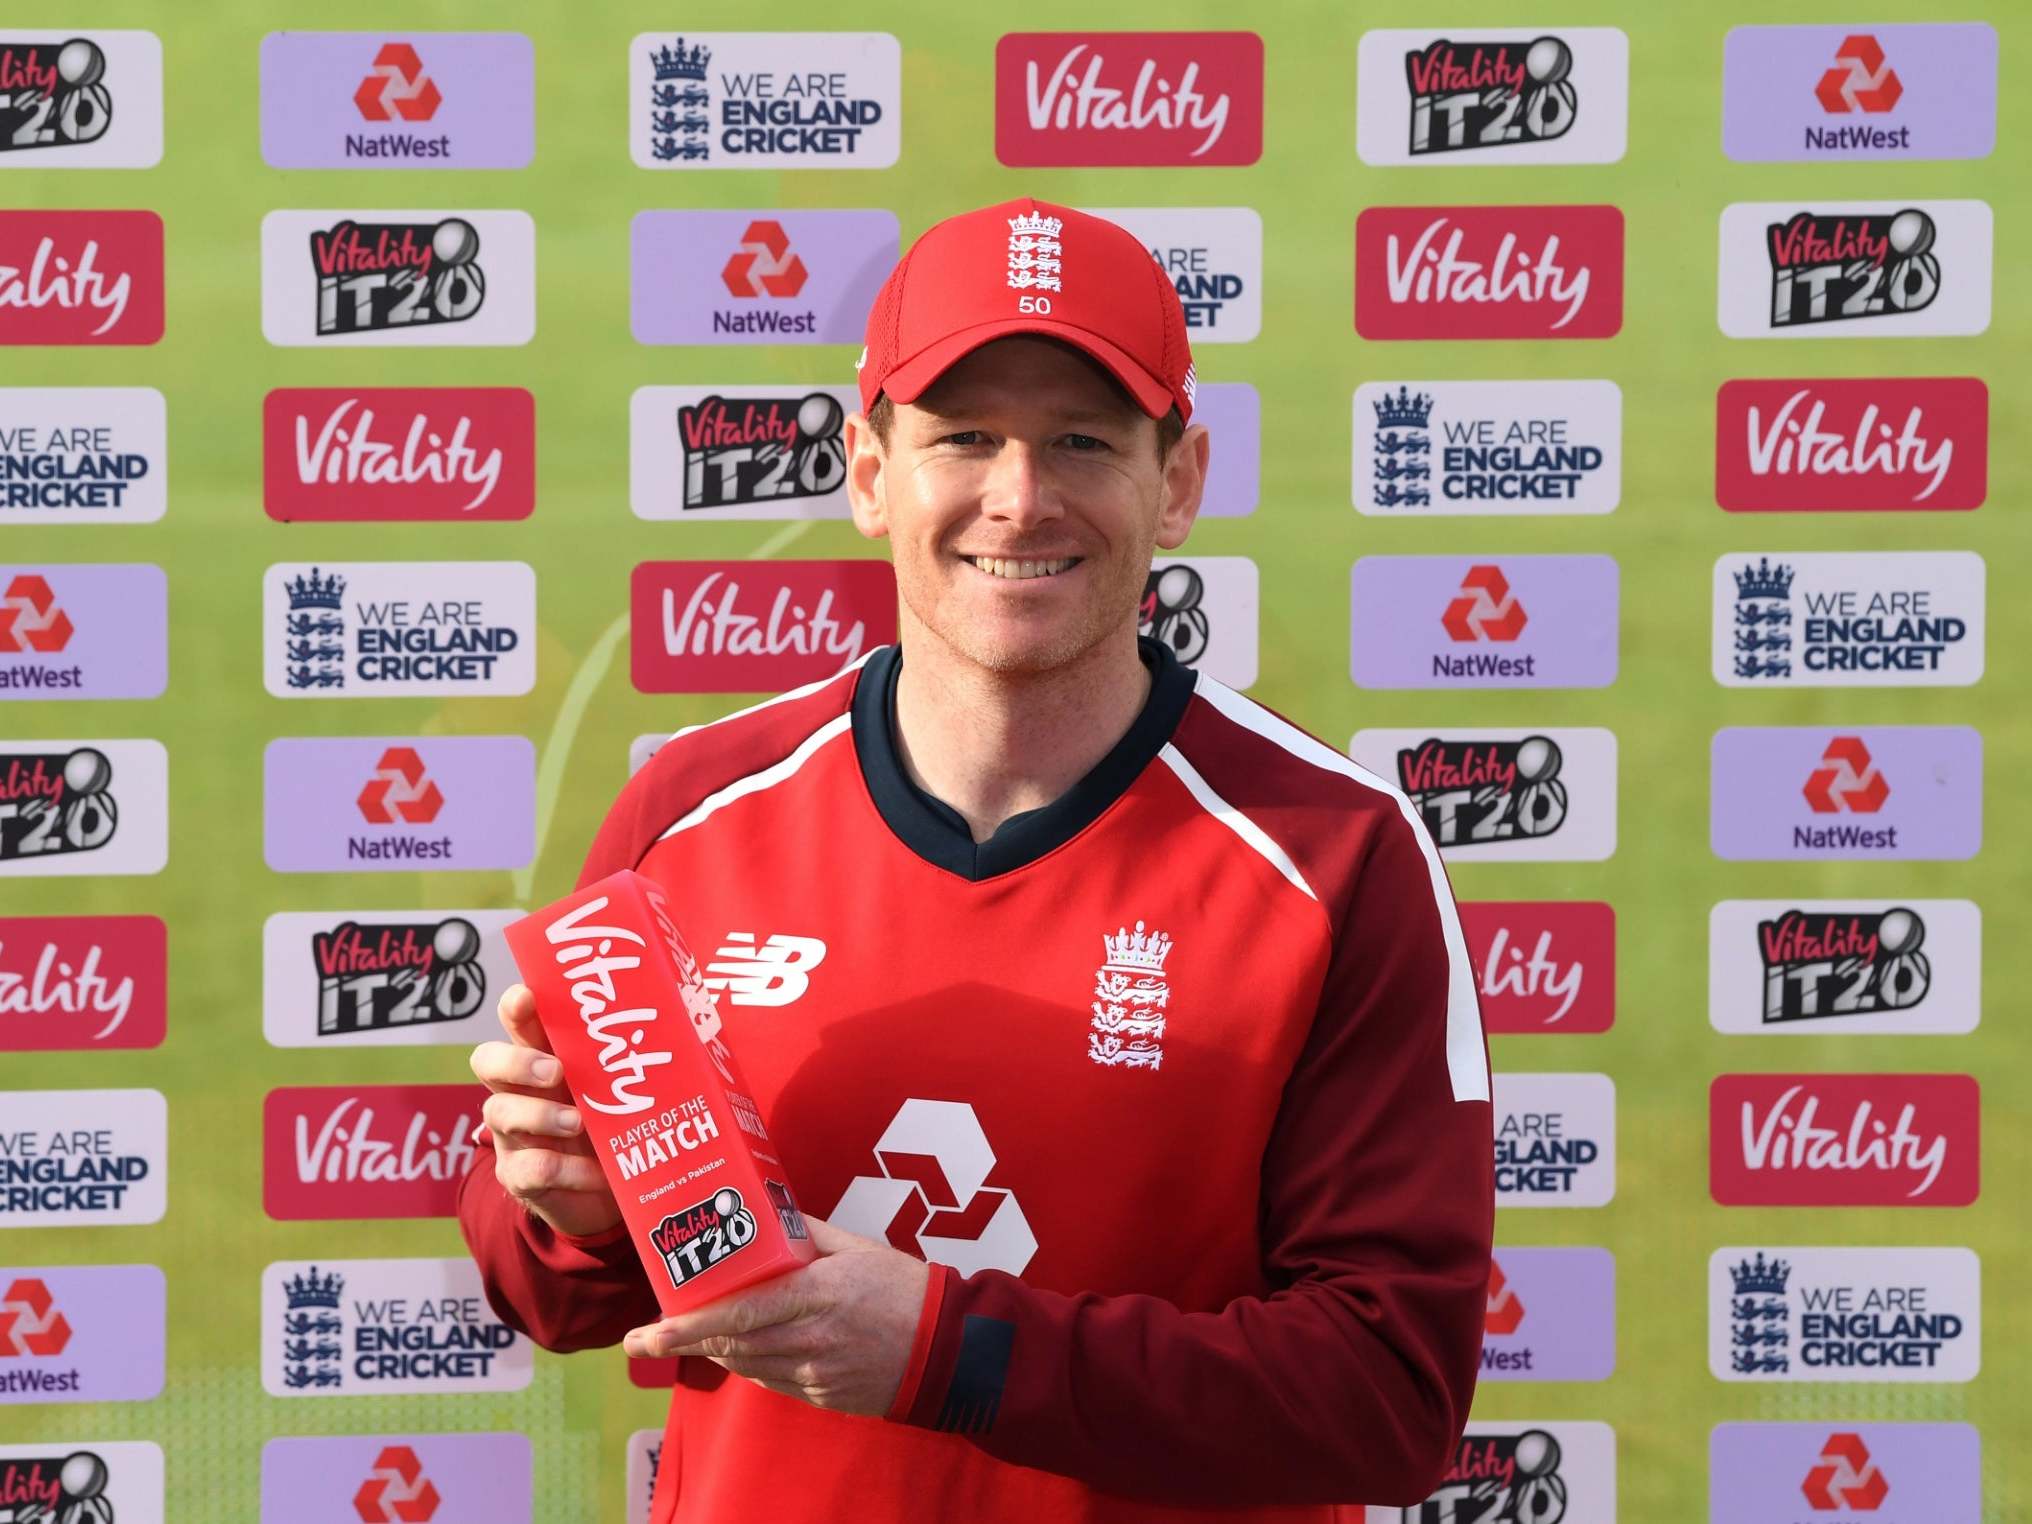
<point x="518" y="1015"/>
<point x="828" y="1239"/>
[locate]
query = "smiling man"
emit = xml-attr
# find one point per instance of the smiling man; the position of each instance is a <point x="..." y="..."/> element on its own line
<point x="1121" y="1034"/>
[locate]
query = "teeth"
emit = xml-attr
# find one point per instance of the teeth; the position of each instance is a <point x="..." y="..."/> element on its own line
<point x="1019" y="570"/>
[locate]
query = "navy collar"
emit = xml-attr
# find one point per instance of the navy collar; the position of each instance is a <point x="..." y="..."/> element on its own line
<point x="938" y="833"/>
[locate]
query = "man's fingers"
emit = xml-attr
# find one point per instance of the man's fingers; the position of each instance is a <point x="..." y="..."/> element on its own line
<point x="531" y="1172"/>
<point x="828" y="1239"/>
<point x="510" y="1066"/>
<point x="530" y="1116"/>
<point x="517" y="1008"/>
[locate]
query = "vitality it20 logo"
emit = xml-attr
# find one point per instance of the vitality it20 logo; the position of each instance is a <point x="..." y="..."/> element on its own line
<point x="739" y="452"/>
<point x="80" y="99"/>
<point x="1845" y="967"/>
<point x="84" y="807"/>
<point x="1204" y="609"/>
<point x="1521" y="1473"/>
<point x="1545" y="795"/>
<point x="348" y="978"/>
<point x="1493" y="96"/>
<point x="398" y="278"/>
<point x="1855" y="269"/>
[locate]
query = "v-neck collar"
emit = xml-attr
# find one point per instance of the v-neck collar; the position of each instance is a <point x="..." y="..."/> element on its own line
<point x="938" y="833"/>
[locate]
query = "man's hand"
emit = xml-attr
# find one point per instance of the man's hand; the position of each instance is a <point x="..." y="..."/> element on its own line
<point x="835" y="1333"/>
<point x="541" y="1156"/>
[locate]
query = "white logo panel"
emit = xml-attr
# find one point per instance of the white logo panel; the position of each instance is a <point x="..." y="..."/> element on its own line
<point x="1528" y="1471"/>
<point x="1205" y="609"/>
<point x="765" y="100"/>
<point x="1845" y="968"/>
<point x="346" y="1327"/>
<point x="1847" y="1314"/>
<point x="706" y="453"/>
<point x="1504" y="795"/>
<point x="398" y="629"/>
<point x="1485" y="96"/>
<point x="83" y="808"/>
<point x="1555" y="1140"/>
<point x="361" y="978"/>
<point x="1849" y="619"/>
<point x="83" y="1158"/>
<point x="1213" y="256"/>
<point x="82" y="1480"/>
<point x="81" y="100"/>
<point x="83" y="455"/>
<point x="1504" y="448"/>
<point x="377" y="278"/>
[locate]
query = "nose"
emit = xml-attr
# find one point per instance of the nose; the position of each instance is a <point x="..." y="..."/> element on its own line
<point x="1018" y="490"/>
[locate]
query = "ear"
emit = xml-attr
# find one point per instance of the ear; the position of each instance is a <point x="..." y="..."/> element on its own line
<point x="865" y="462"/>
<point x="1184" y="482"/>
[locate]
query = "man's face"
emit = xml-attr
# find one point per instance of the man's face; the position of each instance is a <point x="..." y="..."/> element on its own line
<point x="1023" y="498"/>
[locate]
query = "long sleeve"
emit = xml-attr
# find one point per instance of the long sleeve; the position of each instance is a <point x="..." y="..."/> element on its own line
<point x="1352" y="1381"/>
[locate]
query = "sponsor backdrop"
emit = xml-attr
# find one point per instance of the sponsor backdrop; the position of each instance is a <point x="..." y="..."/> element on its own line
<point x="404" y="431"/>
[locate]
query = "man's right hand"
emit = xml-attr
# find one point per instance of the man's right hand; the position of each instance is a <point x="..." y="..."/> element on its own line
<point x="541" y="1156"/>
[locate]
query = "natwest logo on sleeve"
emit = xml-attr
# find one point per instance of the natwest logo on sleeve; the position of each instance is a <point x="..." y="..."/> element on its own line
<point x="366" y="1150"/>
<point x="1489" y="272"/>
<point x="1543" y="966"/>
<point x="80" y="277"/>
<point x="1844" y="1139"/>
<point x="1128" y="98"/>
<point x="755" y="626"/>
<point x="381" y="453"/>
<point x="1896" y="442"/>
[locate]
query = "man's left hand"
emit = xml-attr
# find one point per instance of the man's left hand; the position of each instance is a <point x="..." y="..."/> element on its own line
<point x="835" y="1333"/>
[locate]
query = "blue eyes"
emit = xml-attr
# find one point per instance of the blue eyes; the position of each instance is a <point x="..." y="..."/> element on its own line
<point x="1083" y="444"/>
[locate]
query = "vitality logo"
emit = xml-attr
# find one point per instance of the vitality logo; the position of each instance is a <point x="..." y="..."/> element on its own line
<point x="378" y="276"/>
<point x="1896" y="442"/>
<point x="53" y="94"/>
<point x="1468" y="95"/>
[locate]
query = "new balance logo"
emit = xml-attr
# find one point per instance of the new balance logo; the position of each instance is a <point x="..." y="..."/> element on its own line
<point x="774" y="973"/>
<point x="1847" y="780"/>
<point x="763" y="264"/>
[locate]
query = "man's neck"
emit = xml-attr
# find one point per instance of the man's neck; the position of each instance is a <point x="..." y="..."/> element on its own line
<point x="993" y="745"/>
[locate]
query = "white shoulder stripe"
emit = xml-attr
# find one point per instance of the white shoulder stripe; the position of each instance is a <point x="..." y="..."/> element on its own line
<point x="782" y="698"/>
<point x="1466" y="1058"/>
<point x="1234" y="819"/>
<point x="769" y="777"/>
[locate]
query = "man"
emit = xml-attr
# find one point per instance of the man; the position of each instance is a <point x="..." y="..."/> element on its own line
<point x="1140" y="1019"/>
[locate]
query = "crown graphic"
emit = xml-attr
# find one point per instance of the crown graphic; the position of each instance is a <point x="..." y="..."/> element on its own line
<point x="681" y="62"/>
<point x="314" y="1290"/>
<point x="315" y="592"/>
<point x="1759" y="1278"/>
<point x="1403" y="411"/>
<point x="1764" y="581"/>
<point x="1035" y="225"/>
<point x="1136" y="949"/>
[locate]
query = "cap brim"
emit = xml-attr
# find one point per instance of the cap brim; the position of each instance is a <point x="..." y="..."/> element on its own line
<point x="907" y="382"/>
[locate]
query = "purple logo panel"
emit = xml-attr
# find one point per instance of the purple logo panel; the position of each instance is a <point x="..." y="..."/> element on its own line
<point x="1485" y="621"/>
<point x="1847" y="794"/>
<point x="762" y="277"/>
<point x="1233" y="415"/>
<point x="390" y="100"/>
<point x="473" y="1476"/>
<point x="83" y="632"/>
<point x="1871" y="91"/>
<point x="386" y="804"/>
<point x="81" y="1333"/>
<point x="1551" y="1317"/>
<point x="1889" y="1473"/>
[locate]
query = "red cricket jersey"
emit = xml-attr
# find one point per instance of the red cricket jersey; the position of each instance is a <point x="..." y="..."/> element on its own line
<point x="1179" y="1083"/>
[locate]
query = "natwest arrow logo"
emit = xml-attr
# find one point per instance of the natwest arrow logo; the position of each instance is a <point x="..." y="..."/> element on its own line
<point x="1859" y="81"/>
<point x="30" y="619"/>
<point x="396" y="1489"/>
<point x="1486" y="608"/>
<point x="396" y="88"/>
<point x="399" y="790"/>
<point x="1506" y="1308"/>
<point x="763" y="264"/>
<point x="1848" y="780"/>
<point x="1846" y="1478"/>
<point x="29" y="1321"/>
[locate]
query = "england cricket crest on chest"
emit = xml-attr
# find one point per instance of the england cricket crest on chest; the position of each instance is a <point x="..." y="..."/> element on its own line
<point x="1131" y="997"/>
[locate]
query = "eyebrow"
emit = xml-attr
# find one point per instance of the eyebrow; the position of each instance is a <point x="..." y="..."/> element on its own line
<point x="1074" y="415"/>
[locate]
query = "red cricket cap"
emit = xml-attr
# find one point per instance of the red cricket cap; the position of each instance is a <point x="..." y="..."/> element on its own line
<point x="1028" y="266"/>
